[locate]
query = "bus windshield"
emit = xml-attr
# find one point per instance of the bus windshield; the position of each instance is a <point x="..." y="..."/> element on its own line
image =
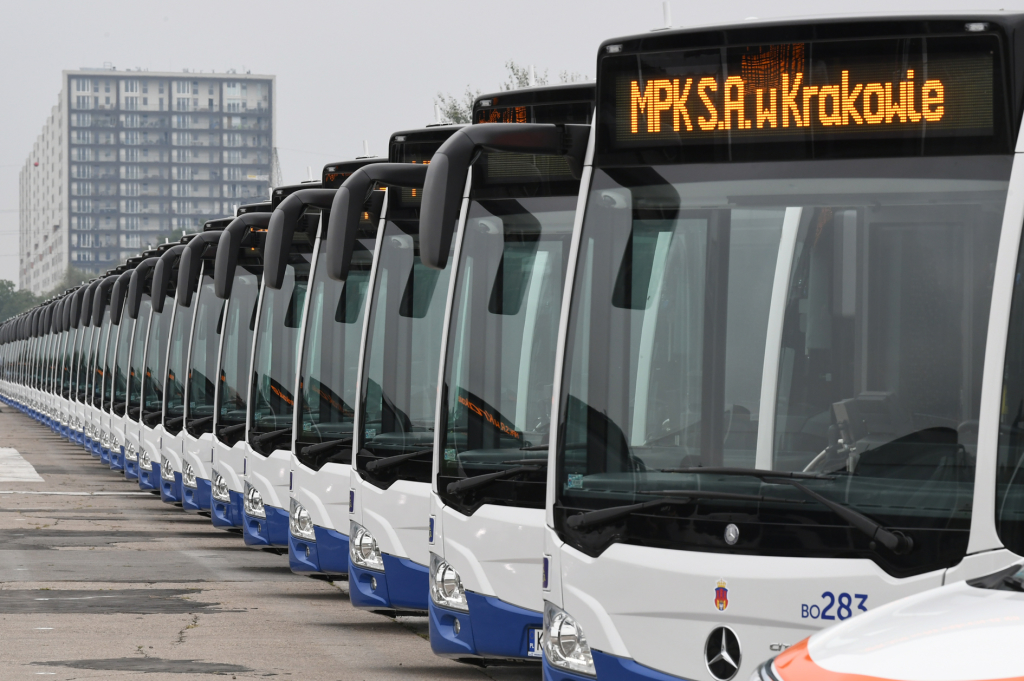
<point x="330" y="356"/>
<point x="138" y="353"/>
<point x="237" y="350"/>
<point x="824" y="317"/>
<point x="156" y="354"/>
<point x="277" y="346"/>
<point x="77" y="372"/>
<point x="124" y="340"/>
<point x="69" y="362"/>
<point x="177" y="358"/>
<point x="403" y="347"/>
<point x="500" y="363"/>
<point x="109" y="363"/>
<point x="202" y="373"/>
<point x="98" y="359"/>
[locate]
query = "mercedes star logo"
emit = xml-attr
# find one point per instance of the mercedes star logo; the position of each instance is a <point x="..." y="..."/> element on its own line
<point x="722" y="653"/>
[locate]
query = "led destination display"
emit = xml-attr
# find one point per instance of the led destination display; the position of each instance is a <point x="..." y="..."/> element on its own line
<point x="815" y="91"/>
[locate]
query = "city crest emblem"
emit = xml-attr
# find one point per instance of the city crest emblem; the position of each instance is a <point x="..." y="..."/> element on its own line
<point x="721" y="595"/>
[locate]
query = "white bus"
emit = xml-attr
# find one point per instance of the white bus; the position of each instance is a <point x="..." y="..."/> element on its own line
<point x="781" y="397"/>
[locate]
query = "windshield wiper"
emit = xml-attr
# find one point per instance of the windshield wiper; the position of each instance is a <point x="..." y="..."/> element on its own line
<point x="313" y="450"/>
<point x="229" y="430"/>
<point x="668" y="497"/>
<point x="171" y="423"/>
<point x="272" y="435"/>
<point x="378" y="465"/>
<point x="469" y="484"/>
<point x="894" y="540"/>
<point x="534" y="448"/>
<point x="149" y="418"/>
<point x="752" y="472"/>
<point x="200" y="421"/>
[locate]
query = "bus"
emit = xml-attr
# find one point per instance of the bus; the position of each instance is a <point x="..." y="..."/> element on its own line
<point x="320" y="418"/>
<point x="784" y="390"/>
<point x="267" y="464"/>
<point x="172" y="405"/>
<point x="114" y="407"/>
<point x="238" y="273"/>
<point x="395" y="372"/>
<point x="195" y="282"/>
<point x="489" y="447"/>
<point x="162" y="285"/>
<point x="98" y="376"/>
<point x="139" y="307"/>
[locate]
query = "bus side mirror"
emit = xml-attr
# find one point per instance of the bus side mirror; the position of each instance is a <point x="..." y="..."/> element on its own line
<point x="445" y="186"/>
<point x="228" y="248"/>
<point x="348" y="205"/>
<point x="281" y="230"/>
<point x="135" y="285"/>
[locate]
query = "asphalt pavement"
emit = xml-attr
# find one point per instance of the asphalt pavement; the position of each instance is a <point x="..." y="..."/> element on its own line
<point x="101" y="581"/>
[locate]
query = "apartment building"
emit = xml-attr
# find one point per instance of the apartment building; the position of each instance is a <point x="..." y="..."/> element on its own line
<point x="130" y="158"/>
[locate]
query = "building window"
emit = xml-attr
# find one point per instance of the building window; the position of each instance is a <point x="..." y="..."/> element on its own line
<point x="145" y="101"/>
<point x="145" y="87"/>
<point x="106" y="86"/>
<point x="108" y="101"/>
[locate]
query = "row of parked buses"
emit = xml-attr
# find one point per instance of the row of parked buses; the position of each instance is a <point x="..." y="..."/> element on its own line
<point x="650" y="379"/>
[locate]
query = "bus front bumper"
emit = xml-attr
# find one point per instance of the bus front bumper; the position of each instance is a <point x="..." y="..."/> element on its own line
<point x="269" y="531"/>
<point x="403" y="585"/>
<point x="491" y="628"/>
<point x="227" y="514"/>
<point x="327" y="555"/>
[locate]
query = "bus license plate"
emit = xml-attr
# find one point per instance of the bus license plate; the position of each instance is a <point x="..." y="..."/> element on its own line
<point x="534" y="646"/>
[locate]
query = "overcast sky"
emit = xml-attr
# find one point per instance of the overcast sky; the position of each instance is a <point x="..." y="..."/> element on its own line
<point x="346" y="71"/>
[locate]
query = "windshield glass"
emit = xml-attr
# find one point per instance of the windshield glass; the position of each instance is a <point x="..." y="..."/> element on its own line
<point x="136" y="370"/>
<point x="82" y="362"/>
<point x="81" y="340"/>
<point x="202" y="374"/>
<point x="109" y="364"/>
<point x="177" y="357"/>
<point x="500" y="363"/>
<point x="68" y="363"/>
<point x="403" y="348"/>
<point x="237" y="350"/>
<point x="98" y="359"/>
<point x="156" y="355"/>
<point x="827" y="317"/>
<point x="330" y="356"/>
<point x="277" y="346"/>
<point x="124" y="340"/>
<point x="1010" y="462"/>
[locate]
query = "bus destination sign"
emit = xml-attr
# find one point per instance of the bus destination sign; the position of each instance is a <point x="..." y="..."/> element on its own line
<point x="776" y="93"/>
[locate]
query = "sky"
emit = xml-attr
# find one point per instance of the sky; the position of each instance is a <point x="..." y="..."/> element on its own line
<point x="346" y="71"/>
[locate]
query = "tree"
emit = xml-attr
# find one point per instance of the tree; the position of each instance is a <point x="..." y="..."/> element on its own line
<point x="459" y="110"/>
<point x="72" y="277"/>
<point x="14" y="301"/>
<point x="456" y="110"/>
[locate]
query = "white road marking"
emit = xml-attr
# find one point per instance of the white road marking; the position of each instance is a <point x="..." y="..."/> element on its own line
<point x="14" y="467"/>
<point x="77" y="494"/>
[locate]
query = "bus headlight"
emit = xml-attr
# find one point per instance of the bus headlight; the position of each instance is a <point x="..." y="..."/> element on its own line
<point x="144" y="461"/>
<point x="129" y="451"/>
<point x="220" y="488"/>
<point x="166" y="469"/>
<point x="300" y="523"/>
<point x="188" y="476"/>
<point x="253" y="502"/>
<point x="565" y="646"/>
<point x="446" y="586"/>
<point x="363" y="549"/>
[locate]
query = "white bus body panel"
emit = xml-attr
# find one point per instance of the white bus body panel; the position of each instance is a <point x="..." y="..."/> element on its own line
<point x="269" y="475"/>
<point x="497" y="551"/>
<point x="323" y="493"/>
<point x="229" y="462"/>
<point x="397" y="517"/>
